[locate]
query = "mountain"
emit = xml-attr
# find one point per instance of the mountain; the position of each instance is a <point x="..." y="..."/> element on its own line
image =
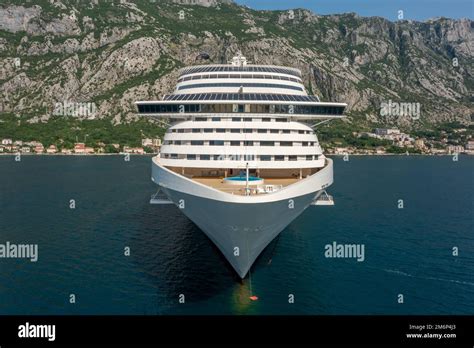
<point x="113" y="53"/>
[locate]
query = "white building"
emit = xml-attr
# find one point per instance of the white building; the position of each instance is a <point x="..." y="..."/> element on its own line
<point x="386" y="131"/>
<point x="7" y="141"/>
<point x="470" y="145"/>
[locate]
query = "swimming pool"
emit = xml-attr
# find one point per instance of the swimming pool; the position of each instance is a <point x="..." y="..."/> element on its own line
<point x="242" y="180"/>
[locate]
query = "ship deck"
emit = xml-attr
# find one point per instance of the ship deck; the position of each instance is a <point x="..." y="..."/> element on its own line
<point x="219" y="184"/>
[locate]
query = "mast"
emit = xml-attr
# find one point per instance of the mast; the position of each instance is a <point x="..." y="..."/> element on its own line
<point x="247" y="178"/>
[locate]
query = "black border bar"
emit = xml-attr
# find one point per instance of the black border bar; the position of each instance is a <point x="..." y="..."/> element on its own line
<point x="239" y="330"/>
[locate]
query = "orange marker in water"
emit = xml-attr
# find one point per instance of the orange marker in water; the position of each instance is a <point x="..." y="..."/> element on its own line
<point x="253" y="298"/>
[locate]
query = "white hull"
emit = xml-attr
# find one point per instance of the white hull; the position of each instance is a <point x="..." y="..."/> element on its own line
<point x="240" y="226"/>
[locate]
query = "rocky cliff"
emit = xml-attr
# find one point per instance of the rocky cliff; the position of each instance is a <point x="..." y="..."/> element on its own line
<point x="113" y="53"/>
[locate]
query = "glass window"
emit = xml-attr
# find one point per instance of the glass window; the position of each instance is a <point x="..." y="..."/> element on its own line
<point x="216" y="142"/>
<point x="262" y="130"/>
<point x="216" y="119"/>
<point x="309" y="157"/>
<point x="247" y="119"/>
<point x="208" y="130"/>
<point x="266" y="119"/>
<point x="265" y="158"/>
<point x="200" y="119"/>
<point x="279" y="158"/>
<point x="196" y="130"/>
<point x="191" y="157"/>
<point x="235" y="130"/>
<point x="220" y="130"/>
<point x="286" y="143"/>
<point x="248" y="143"/>
<point x="285" y="131"/>
<point x="274" y="131"/>
<point x="236" y="119"/>
<point x="305" y="143"/>
<point x="292" y="158"/>
<point x="205" y="157"/>
<point x="197" y="142"/>
<point x="235" y="143"/>
<point x="248" y="130"/>
<point x="267" y="143"/>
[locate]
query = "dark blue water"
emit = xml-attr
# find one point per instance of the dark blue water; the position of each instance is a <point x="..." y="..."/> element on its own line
<point x="81" y="251"/>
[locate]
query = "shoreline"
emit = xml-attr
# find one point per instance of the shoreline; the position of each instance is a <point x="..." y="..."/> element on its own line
<point x="154" y="154"/>
<point x="77" y="154"/>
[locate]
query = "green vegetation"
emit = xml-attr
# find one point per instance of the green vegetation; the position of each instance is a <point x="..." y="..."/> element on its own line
<point x="65" y="131"/>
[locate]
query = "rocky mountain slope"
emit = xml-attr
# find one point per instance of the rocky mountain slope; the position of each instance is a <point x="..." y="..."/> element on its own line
<point x="113" y="53"/>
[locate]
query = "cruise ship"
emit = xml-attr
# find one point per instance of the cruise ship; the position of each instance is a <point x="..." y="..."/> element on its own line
<point x="240" y="157"/>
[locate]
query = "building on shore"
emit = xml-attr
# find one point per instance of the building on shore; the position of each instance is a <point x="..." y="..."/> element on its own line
<point x="455" y="149"/>
<point x="52" y="149"/>
<point x="7" y="141"/>
<point x="470" y="146"/>
<point x="39" y="148"/>
<point x="420" y="144"/>
<point x="137" y="150"/>
<point x="386" y="131"/>
<point x="79" y="148"/>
